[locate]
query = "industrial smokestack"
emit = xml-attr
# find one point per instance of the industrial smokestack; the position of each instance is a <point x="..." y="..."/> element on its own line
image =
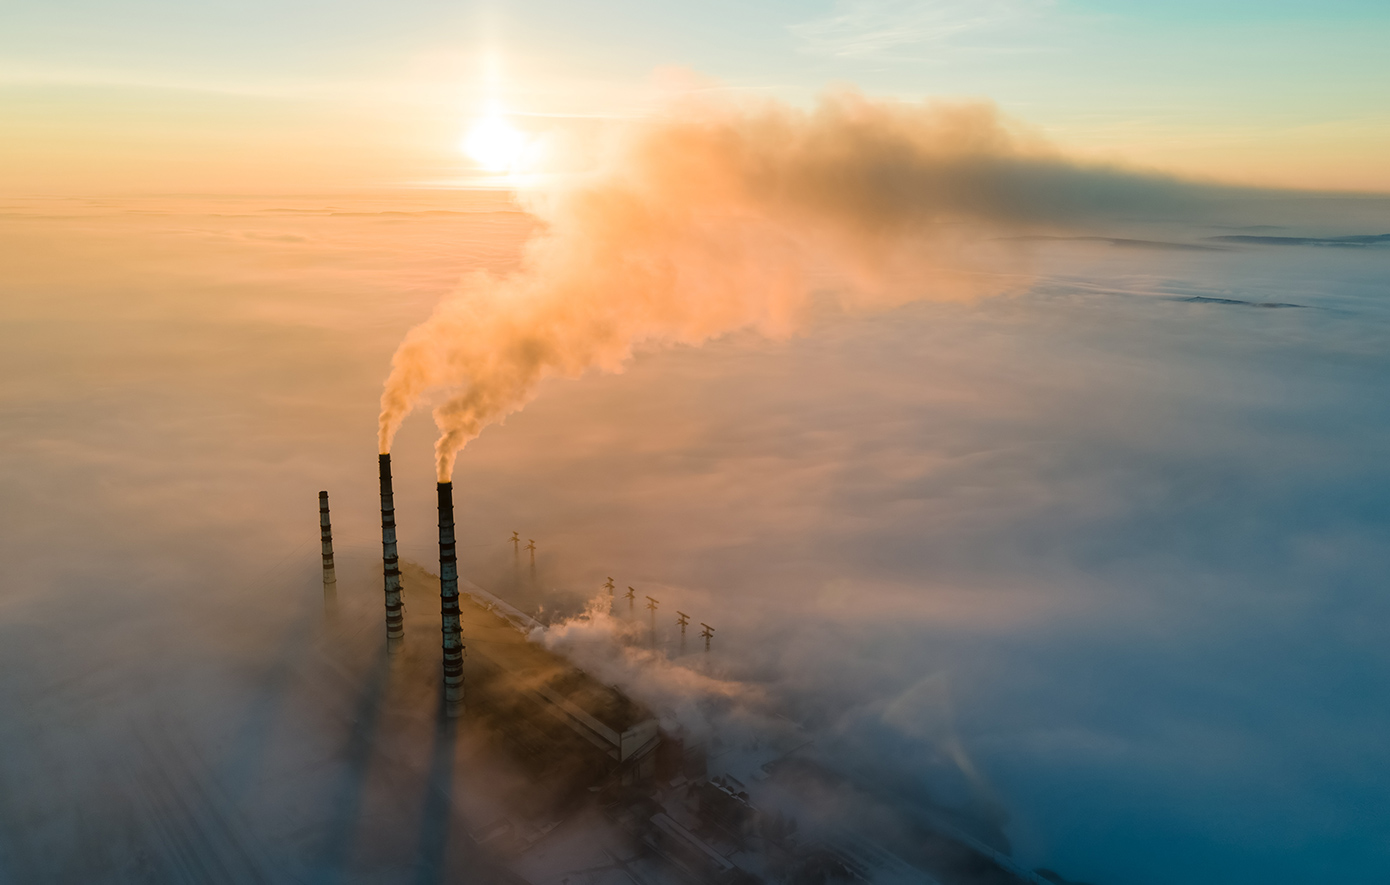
<point x="449" y="602"/>
<point x="330" y="578"/>
<point x="390" y="563"/>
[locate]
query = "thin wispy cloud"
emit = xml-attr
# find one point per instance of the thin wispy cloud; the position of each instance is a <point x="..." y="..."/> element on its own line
<point x="879" y="29"/>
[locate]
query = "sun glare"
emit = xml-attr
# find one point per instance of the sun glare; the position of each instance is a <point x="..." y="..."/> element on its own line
<point x="494" y="144"/>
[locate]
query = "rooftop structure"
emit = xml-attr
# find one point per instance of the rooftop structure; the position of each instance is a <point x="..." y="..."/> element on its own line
<point x="499" y="651"/>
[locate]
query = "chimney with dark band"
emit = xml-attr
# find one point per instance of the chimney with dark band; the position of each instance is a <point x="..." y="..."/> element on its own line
<point x="449" y="602"/>
<point x="395" y="624"/>
<point x="330" y="578"/>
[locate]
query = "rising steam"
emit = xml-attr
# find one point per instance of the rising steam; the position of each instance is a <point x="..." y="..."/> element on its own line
<point x="719" y="217"/>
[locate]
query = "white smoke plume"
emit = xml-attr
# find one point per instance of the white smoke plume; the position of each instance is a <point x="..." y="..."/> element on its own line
<point x="715" y="217"/>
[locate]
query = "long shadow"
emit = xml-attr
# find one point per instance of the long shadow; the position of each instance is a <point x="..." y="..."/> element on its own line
<point x="437" y="812"/>
<point x="249" y="744"/>
<point x="346" y="802"/>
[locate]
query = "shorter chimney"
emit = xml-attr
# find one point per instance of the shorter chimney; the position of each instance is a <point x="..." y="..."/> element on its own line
<point x="330" y="578"/>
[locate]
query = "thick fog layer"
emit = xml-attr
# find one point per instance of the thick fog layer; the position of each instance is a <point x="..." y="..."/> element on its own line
<point x="1105" y="556"/>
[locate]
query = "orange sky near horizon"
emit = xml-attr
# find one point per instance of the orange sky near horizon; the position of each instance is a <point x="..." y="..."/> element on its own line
<point x="69" y="139"/>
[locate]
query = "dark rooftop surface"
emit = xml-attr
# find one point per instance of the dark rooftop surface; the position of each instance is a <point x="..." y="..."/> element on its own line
<point x="487" y="633"/>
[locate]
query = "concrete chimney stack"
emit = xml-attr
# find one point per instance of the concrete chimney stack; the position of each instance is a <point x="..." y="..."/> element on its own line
<point x="390" y="562"/>
<point x="449" y="602"/>
<point x="330" y="577"/>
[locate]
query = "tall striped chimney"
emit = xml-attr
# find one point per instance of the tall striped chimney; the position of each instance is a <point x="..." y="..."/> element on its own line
<point x="330" y="578"/>
<point x="449" y="602"/>
<point x="390" y="563"/>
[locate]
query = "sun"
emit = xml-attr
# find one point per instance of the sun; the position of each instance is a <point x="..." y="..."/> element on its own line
<point x="494" y="144"/>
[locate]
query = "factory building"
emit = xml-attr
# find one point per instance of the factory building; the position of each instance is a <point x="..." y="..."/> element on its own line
<point x="552" y="714"/>
<point x="611" y="797"/>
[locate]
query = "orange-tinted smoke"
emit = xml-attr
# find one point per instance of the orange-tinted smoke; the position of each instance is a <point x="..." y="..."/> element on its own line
<point x="715" y="217"/>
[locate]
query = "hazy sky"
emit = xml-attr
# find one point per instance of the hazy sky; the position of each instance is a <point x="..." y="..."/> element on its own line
<point x="248" y="95"/>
